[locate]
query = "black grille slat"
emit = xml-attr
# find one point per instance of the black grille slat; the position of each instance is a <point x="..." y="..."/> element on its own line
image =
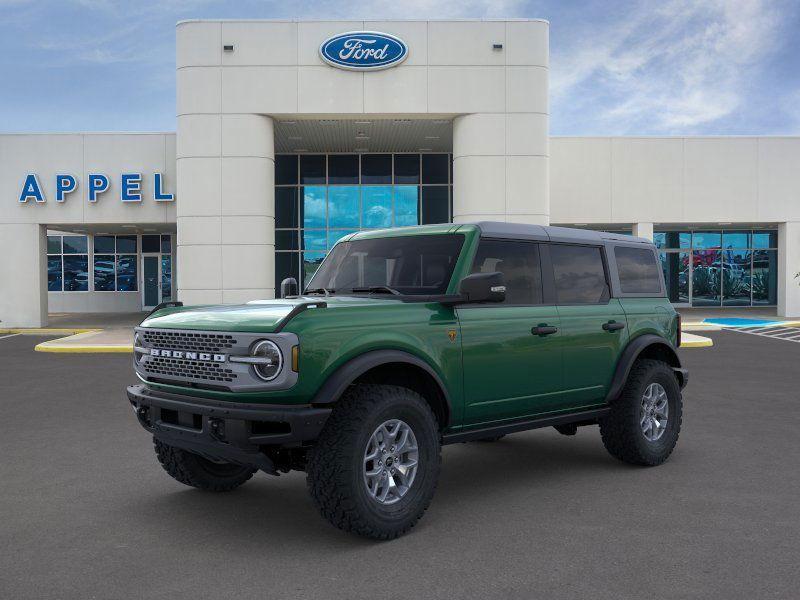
<point x="191" y="369"/>
<point x="191" y="341"/>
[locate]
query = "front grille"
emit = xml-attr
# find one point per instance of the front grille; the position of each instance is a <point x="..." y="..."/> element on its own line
<point x="191" y="341"/>
<point x="191" y="369"/>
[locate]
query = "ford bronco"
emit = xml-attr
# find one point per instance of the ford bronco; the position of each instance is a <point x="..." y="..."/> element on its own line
<point x="407" y="339"/>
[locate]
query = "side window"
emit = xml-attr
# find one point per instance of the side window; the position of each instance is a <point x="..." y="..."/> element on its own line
<point x="519" y="264"/>
<point x="638" y="271"/>
<point x="579" y="274"/>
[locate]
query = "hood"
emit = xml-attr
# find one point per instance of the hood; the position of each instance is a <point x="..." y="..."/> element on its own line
<point x="261" y="316"/>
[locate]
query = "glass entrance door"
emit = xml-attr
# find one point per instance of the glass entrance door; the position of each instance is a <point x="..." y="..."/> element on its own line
<point x="151" y="288"/>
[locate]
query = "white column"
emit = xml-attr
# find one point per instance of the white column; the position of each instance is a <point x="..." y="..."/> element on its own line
<point x="643" y="230"/>
<point x="501" y="168"/>
<point x="788" y="266"/>
<point x="226" y="223"/>
<point x="23" y="271"/>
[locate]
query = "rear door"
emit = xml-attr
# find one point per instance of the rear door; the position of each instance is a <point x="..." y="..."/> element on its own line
<point x="593" y="325"/>
<point x="511" y="368"/>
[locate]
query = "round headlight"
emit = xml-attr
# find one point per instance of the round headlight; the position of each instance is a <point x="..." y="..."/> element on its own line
<point x="269" y="368"/>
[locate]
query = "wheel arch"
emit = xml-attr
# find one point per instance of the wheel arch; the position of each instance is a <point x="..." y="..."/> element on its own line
<point x="644" y="346"/>
<point x="393" y="367"/>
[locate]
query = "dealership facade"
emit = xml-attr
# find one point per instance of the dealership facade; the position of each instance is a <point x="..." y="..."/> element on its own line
<point x="286" y="142"/>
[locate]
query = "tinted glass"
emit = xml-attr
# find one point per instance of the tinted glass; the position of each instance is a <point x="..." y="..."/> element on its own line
<point x="104" y="272"/>
<point x="76" y="273"/>
<point x="406" y="205"/>
<point x="434" y="168"/>
<point x="376" y="206"/>
<point x="435" y="205"/>
<point x="706" y="277"/>
<point x="675" y="266"/>
<point x="314" y="206"/>
<point x="736" y="239"/>
<point x="312" y="168"/>
<point x="638" y="271"/>
<point x="736" y="277"/>
<point x="166" y="278"/>
<point x="126" y="274"/>
<point x="343" y="168"/>
<point x="406" y="168"/>
<point x="519" y="264"/>
<point x="334" y="235"/>
<point x="376" y="168"/>
<point x="104" y="244"/>
<point x="286" y="265"/>
<point x="579" y="274"/>
<point x="287" y="240"/>
<point x="285" y="169"/>
<point x="286" y="207"/>
<point x="672" y="239"/>
<point x="166" y="244"/>
<point x="75" y="244"/>
<point x="311" y="262"/>
<point x="343" y="206"/>
<point x="765" y="277"/>
<point x="418" y="264"/>
<point x="126" y="244"/>
<point x="706" y="239"/>
<point x="54" y="280"/>
<point x="765" y="239"/>
<point x="151" y="243"/>
<point x="54" y="244"/>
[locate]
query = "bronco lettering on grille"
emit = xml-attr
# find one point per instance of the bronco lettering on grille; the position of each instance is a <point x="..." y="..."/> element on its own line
<point x="204" y="356"/>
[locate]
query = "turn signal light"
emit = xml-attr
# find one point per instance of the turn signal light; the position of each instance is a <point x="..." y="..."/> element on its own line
<point x="295" y="358"/>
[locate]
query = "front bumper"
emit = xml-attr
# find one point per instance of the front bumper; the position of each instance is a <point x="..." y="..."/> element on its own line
<point x="232" y="432"/>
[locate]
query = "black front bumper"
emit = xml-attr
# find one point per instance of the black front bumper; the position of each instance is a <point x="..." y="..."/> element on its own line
<point x="233" y="432"/>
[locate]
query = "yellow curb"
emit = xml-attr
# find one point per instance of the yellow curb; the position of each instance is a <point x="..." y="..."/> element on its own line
<point x="46" y="331"/>
<point x="695" y="341"/>
<point x="46" y="347"/>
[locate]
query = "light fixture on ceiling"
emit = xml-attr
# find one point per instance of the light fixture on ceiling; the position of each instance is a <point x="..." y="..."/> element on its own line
<point x="579" y="224"/>
<point x="360" y="149"/>
<point x="426" y="149"/>
<point x="363" y="122"/>
<point x="288" y="122"/>
<point x="328" y="121"/>
<point x="728" y="223"/>
<point x="149" y="230"/>
<point x="301" y="150"/>
<point x="128" y="226"/>
<point x="295" y="137"/>
<point x="402" y="121"/>
<point x="432" y="137"/>
<point x="441" y="121"/>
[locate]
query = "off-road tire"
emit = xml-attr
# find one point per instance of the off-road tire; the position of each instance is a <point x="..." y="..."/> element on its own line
<point x="196" y="471"/>
<point x="621" y="431"/>
<point x="335" y="465"/>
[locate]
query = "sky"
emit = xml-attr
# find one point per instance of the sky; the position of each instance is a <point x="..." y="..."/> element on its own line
<point x="672" y="67"/>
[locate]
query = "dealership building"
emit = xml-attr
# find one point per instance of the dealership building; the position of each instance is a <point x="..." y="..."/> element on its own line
<point x="293" y="134"/>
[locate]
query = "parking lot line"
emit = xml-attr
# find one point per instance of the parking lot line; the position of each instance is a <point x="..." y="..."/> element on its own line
<point x="2" y="337"/>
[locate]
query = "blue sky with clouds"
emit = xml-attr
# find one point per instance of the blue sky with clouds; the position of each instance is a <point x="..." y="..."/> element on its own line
<point x="617" y="67"/>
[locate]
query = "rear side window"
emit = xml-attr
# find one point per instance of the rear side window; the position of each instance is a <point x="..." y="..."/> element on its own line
<point x="579" y="274"/>
<point x="519" y="264"/>
<point x="638" y="271"/>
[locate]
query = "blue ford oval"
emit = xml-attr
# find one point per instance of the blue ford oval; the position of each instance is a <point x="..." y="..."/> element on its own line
<point x="363" y="50"/>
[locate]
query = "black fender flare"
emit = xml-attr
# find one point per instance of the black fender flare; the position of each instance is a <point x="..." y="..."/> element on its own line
<point x="632" y="351"/>
<point x="346" y="374"/>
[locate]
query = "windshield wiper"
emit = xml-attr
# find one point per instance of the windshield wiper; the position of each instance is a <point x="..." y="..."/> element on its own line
<point x="322" y="290"/>
<point x="375" y="289"/>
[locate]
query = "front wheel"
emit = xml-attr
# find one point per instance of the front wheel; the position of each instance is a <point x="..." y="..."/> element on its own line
<point x="375" y="466"/>
<point x="645" y="421"/>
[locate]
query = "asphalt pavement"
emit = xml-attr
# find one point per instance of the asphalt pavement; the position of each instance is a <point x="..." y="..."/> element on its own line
<point x="87" y="511"/>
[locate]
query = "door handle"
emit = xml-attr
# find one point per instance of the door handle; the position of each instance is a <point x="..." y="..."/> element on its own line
<point x="543" y="330"/>
<point x="613" y="326"/>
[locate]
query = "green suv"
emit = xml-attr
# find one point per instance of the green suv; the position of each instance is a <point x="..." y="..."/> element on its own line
<point x="408" y="339"/>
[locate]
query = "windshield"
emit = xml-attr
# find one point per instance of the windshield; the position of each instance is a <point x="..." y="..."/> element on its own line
<point x="410" y="265"/>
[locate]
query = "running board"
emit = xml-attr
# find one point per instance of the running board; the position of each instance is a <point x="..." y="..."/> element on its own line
<point x="524" y="425"/>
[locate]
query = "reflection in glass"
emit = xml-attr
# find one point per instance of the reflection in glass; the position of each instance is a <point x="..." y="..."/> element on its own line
<point x="406" y="168"/>
<point x="150" y="243"/>
<point x="312" y="168"/>
<point x="376" y="201"/>
<point x="286" y="265"/>
<point x="736" y="239"/>
<point x="166" y="277"/>
<point x="166" y="244"/>
<point x="315" y="239"/>
<point x="76" y="273"/>
<point x="672" y="239"/>
<point x="376" y="168"/>
<point x="406" y="211"/>
<point x="104" y="272"/>
<point x="311" y="262"/>
<point x="765" y="277"/>
<point x="75" y="244"/>
<point x="706" y="277"/>
<point x="54" y="244"/>
<point x="104" y="244"/>
<point x="765" y="239"/>
<point x="314" y="206"/>
<point x="334" y="235"/>
<point x="736" y="278"/>
<point x="126" y="244"/>
<point x="343" y="206"/>
<point x="343" y="168"/>
<point x="126" y="273"/>
<point x="285" y="207"/>
<point x="676" y="275"/>
<point x="707" y="239"/>
<point x="54" y="280"/>
<point x="435" y="205"/>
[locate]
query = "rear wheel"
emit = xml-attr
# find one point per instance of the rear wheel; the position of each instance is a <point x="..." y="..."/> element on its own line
<point x="645" y="421"/>
<point x="194" y="470"/>
<point x="375" y="466"/>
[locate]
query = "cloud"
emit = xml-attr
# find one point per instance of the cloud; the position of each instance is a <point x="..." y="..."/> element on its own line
<point x="670" y="69"/>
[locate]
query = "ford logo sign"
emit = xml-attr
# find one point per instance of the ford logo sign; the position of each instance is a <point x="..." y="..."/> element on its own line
<point x="363" y="50"/>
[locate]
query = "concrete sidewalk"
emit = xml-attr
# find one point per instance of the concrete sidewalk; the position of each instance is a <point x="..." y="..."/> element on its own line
<point x="85" y="332"/>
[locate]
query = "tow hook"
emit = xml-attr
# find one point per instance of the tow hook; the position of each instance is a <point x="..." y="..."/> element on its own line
<point x="217" y="428"/>
<point x="143" y="414"/>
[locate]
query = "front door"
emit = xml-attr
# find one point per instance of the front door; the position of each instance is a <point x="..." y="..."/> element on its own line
<point x="511" y="350"/>
<point x="151" y="288"/>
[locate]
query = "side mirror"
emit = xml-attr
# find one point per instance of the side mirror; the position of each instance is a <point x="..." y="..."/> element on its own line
<point x="288" y="287"/>
<point x="483" y="287"/>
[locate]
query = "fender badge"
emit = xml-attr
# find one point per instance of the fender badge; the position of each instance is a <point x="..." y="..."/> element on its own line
<point x="452" y="335"/>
